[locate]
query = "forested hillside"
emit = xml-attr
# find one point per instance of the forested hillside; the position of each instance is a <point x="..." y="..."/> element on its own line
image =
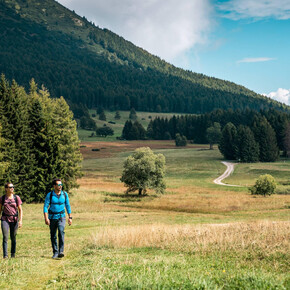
<point x="85" y="64"/>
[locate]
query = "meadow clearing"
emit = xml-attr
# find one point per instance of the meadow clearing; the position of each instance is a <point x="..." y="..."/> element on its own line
<point x="198" y="235"/>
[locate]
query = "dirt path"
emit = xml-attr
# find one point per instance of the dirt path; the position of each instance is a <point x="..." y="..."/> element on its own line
<point x="230" y="169"/>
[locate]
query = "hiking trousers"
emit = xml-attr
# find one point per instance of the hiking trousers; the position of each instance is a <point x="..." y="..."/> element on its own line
<point x="57" y="225"/>
<point x="6" y="227"/>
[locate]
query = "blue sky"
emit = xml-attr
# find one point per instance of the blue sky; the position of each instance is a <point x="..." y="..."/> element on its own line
<point x="243" y="41"/>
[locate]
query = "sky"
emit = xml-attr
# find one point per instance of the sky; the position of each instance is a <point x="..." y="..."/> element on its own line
<point x="243" y="41"/>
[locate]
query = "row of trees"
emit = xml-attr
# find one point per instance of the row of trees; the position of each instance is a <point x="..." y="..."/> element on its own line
<point x="38" y="142"/>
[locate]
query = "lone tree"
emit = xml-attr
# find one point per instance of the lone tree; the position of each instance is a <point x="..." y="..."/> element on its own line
<point x="265" y="184"/>
<point x="144" y="169"/>
<point x="180" y="140"/>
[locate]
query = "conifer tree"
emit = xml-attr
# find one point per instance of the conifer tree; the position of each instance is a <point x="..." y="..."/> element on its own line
<point x="213" y="134"/>
<point x="133" y="114"/>
<point x="247" y="147"/>
<point x="117" y="115"/>
<point x="266" y="138"/>
<point x="227" y="145"/>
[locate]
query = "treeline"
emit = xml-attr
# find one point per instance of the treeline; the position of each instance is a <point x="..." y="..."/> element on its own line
<point x="262" y="134"/>
<point x="38" y="141"/>
<point x="66" y="65"/>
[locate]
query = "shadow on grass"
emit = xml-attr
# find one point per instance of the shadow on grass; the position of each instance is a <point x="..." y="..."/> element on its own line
<point x="113" y="197"/>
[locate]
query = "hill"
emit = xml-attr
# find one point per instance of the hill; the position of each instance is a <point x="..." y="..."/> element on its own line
<point x="93" y="66"/>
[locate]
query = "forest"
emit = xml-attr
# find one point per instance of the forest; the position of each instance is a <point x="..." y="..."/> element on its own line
<point x="94" y="67"/>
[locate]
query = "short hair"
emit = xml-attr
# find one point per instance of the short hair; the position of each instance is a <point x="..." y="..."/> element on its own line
<point x="55" y="180"/>
<point x="7" y="183"/>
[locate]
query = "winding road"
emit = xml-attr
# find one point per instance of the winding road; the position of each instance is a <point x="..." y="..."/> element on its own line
<point x="230" y="169"/>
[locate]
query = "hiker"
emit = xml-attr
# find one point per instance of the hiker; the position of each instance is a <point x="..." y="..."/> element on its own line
<point x="11" y="218"/>
<point x="54" y="217"/>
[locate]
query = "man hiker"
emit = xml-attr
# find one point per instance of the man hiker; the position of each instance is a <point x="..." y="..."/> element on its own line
<point x="57" y="200"/>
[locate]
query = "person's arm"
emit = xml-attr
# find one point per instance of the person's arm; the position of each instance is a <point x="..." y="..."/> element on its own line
<point x="45" y="209"/>
<point x="20" y="213"/>
<point x="68" y="209"/>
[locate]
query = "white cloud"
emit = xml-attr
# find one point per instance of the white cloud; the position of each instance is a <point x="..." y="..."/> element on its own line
<point x="255" y="59"/>
<point x="239" y="9"/>
<point x="282" y="95"/>
<point x="166" y="28"/>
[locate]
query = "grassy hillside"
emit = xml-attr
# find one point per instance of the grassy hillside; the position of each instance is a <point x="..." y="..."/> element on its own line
<point x="93" y="66"/>
<point x="196" y="236"/>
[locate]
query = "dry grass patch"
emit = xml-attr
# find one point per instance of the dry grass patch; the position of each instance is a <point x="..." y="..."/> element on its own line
<point x="265" y="236"/>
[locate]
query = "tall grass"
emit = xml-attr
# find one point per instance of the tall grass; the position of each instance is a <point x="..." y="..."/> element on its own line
<point x="265" y="236"/>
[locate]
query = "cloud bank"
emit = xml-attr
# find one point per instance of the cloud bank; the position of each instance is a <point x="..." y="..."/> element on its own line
<point x="167" y="28"/>
<point x="239" y="9"/>
<point x="255" y="59"/>
<point x="281" y="95"/>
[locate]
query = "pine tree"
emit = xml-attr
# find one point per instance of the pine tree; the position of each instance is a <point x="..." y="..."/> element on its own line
<point x="266" y="138"/>
<point x="117" y="116"/>
<point x="227" y="145"/>
<point x="247" y="147"/>
<point x="133" y="114"/>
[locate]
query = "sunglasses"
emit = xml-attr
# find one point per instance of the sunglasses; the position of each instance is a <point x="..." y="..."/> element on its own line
<point x="60" y="184"/>
<point x="10" y="187"/>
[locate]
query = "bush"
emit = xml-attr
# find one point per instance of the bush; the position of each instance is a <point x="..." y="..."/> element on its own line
<point x="265" y="184"/>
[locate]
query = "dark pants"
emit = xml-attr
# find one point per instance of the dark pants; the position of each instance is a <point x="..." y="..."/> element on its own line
<point x="13" y="227"/>
<point x="57" y="224"/>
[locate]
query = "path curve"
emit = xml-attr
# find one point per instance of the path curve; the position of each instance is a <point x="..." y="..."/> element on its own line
<point x="230" y="169"/>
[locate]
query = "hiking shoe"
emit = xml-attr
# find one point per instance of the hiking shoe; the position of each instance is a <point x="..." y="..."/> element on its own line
<point x="5" y="257"/>
<point x="61" y="255"/>
<point x="55" y="256"/>
<point x="13" y="255"/>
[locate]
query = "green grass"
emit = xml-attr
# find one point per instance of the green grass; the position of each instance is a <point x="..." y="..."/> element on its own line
<point x="143" y="117"/>
<point x="190" y="173"/>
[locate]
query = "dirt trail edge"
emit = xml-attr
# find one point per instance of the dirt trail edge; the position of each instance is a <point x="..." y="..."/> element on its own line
<point x="230" y="169"/>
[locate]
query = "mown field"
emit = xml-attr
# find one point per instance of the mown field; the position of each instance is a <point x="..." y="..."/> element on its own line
<point x="196" y="236"/>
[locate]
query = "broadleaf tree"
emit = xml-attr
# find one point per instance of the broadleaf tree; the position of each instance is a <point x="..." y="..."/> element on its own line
<point x="144" y="170"/>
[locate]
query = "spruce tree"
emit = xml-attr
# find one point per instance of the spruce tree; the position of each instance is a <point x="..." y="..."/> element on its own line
<point x="227" y="145"/>
<point x="117" y="116"/>
<point x="247" y="147"/>
<point x="133" y="114"/>
<point x="266" y="138"/>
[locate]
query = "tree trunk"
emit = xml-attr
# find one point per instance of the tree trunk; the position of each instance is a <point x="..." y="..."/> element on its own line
<point x="140" y="191"/>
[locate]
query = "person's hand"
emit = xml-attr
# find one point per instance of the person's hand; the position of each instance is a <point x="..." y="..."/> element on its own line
<point x="47" y="222"/>
<point x="69" y="221"/>
<point x="19" y="224"/>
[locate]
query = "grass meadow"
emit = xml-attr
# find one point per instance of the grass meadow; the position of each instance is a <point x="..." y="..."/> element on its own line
<point x="197" y="235"/>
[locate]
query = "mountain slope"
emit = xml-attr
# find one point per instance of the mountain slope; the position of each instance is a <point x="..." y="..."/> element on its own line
<point x="93" y="66"/>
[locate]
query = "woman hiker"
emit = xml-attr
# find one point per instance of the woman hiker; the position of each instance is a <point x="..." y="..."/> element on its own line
<point x="11" y="218"/>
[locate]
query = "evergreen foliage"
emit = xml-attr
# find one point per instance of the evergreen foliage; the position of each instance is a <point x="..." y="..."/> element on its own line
<point x="102" y="116"/>
<point x="246" y="145"/>
<point x="180" y="140"/>
<point x="144" y="169"/>
<point x="286" y="140"/>
<point x="228" y="141"/>
<point x="117" y="115"/>
<point x="213" y="134"/>
<point x="266" y="138"/>
<point x="133" y="115"/>
<point x="105" y="131"/>
<point x="41" y="140"/>
<point x="94" y="67"/>
<point x="87" y="123"/>
<point x="133" y="131"/>
<point x="265" y="185"/>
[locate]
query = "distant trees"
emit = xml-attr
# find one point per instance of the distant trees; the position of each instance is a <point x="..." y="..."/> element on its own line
<point x="40" y="141"/>
<point x="117" y="115"/>
<point x="143" y="170"/>
<point x="264" y="185"/>
<point x="286" y="140"/>
<point x="87" y="123"/>
<point x="105" y="131"/>
<point x="102" y="116"/>
<point x="227" y="144"/>
<point x="213" y="134"/>
<point x="133" y="114"/>
<point x="133" y="131"/>
<point x="180" y="140"/>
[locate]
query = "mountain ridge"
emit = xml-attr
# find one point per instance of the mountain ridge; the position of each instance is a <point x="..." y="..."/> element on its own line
<point x="108" y="46"/>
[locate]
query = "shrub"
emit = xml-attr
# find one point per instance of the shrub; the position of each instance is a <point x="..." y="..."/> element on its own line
<point x="265" y="184"/>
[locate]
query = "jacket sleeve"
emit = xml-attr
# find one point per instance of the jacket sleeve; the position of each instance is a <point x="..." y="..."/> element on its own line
<point x="67" y="204"/>
<point x="46" y="202"/>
